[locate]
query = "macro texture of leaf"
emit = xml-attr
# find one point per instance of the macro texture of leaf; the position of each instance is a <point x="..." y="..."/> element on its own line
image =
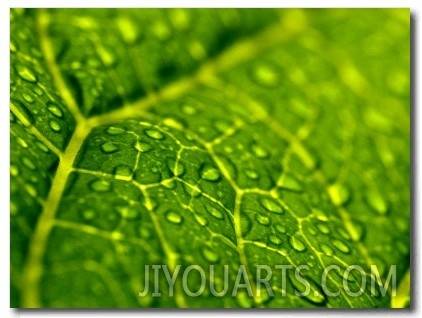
<point x="254" y="137"/>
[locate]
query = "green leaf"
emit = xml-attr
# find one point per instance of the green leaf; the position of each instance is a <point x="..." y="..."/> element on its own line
<point x="203" y="137"/>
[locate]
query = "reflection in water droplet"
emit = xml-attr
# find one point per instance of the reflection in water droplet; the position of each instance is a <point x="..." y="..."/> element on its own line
<point x="210" y="174"/>
<point x="201" y="220"/>
<point x="262" y="219"/>
<point x="210" y="255"/>
<point x="154" y="134"/>
<point x="25" y="73"/>
<point x="55" y="126"/>
<point x="100" y="185"/>
<point x="174" y="217"/>
<point x="340" y="246"/>
<point x="259" y="151"/>
<point x="297" y="244"/>
<point x="28" y="163"/>
<point x="55" y="110"/>
<point x="251" y="174"/>
<point x="214" y="212"/>
<point x="115" y="131"/>
<point x="271" y="205"/>
<point x="88" y="214"/>
<point x="143" y="146"/>
<point x="339" y="194"/>
<point x="326" y="249"/>
<point x="109" y="147"/>
<point x="376" y="202"/>
<point x="324" y="229"/>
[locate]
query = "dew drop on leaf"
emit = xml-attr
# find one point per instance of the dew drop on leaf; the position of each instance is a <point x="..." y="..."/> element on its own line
<point x="297" y="244"/>
<point x="265" y="74"/>
<point x="323" y="228"/>
<point x="210" y="255"/>
<point x="252" y="174"/>
<point x="21" y="108"/>
<point x="174" y="217"/>
<point x="271" y="205"/>
<point x="376" y="202"/>
<point x="214" y="212"/>
<point x="122" y="172"/>
<point x="341" y="247"/>
<point x="201" y="220"/>
<point x="280" y="228"/>
<point x="28" y="163"/>
<point x="154" y="134"/>
<point x="22" y="142"/>
<point x="88" y="214"/>
<point x="320" y="215"/>
<point x="188" y="109"/>
<point x="38" y="91"/>
<point x="28" y="98"/>
<point x="55" y="110"/>
<point x="55" y="126"/>
<point x="42" y="146"/>
<point x="290" y="183"/>
<point x="109" y="147"/>
<point x="259" y="151"/>
<point x="129" y="212"/>
<point x="115" y="131"/>
<point x="275" y="240"/>
<point x="210" y="174"/>
<point x="142" y="146"/>
<point x="14" y="171"/>
<point x="100" y="185"/>
<point x="243" y="299"/>
<point x="26" y="73"/>
<point x="262" y="219"/>
<point x="326" y="249"/>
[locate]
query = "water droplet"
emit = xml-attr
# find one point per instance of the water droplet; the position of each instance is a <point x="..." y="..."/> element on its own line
<point x="12" y="47"/>
<point x="55" y="109"/>
<point x="107" y="56"/>
<point x="100" y="185"/>
<point x="38" y="91"/>
<point x="161" y="30"/>
<point x="340" y="246"/>
<point x="88" y="214"/>
<point x="109" y="147"/>
<point x="188" y="110"/>
<point x="262" y="219"/>
<point x="376" y="202"/>
<point x="42" y="146"/>
<point x="324" y="229"/>
<point x="311" y="230"/>
<point x="259" y="151"/>
<point x="289" y="183"/>
<point x="343" y="233"/>
<point x="28" y="118"/>
<point x="275" y="240"/>
<point x="252" y="174"/>
<point x="174" y="217"/>
<point x="210" y="255"/>
<point x="326" y="249"/>
<point x="115" y="131"/>
<point x="193" y="191"/>
<point x="129" y="212"/>
<point x="22" y="142"/>
<point x="210" y="174"/>
<point x="143" y="146"/>
<point x="31" y="190"/>
<point x="271" y="205"/>
<point x="123" y="172"/>
<point x="14" y="171"/>
<point x="154" y="134"/>
<point x="28" y="163"/>
<point x="14" y="210"/>
<point x="201" y="220"/>
<point x="28" y="98"/>
<point x="320" y="215"/>
<point x="357" y="231"/>
<point x="265" y="74"/>
<point x="280" y="228"/>
<point x="128" y="30"/>
<point x="25" y="73"/>
<point x="339" y="194"/>
<point x="315" y="295"/>
<point x="177" y="169"/>
<point x="297" y="244"/>
<point x="55" y="126"/>
<point x="214" y="212"/>
<point x="222" y="125"/>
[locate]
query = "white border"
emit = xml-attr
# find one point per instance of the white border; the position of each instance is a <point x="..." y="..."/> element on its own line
<point x="4" y="142"/>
